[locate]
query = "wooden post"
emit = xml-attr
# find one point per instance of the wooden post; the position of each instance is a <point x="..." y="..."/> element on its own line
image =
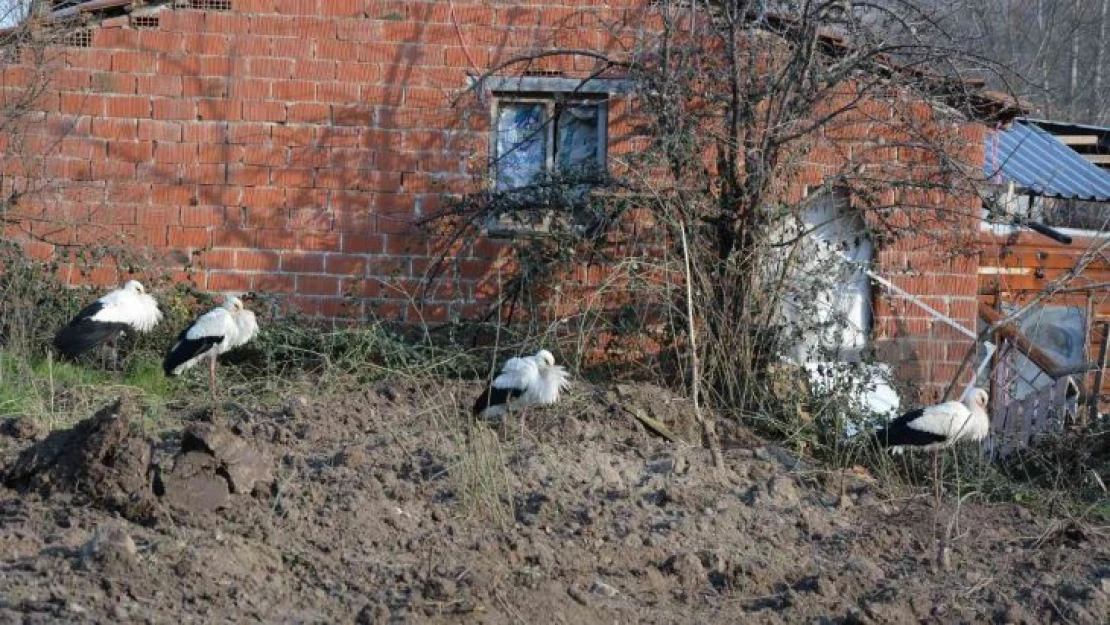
<point x="1088" y="334"/>
<point x="1096" y="392"/>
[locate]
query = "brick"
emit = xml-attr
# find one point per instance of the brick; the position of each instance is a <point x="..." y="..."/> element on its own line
<point x="234" y="237"/>
<point x="249" y="133"/>
<point x="204" y="87"/>
<point x="263" y="198"/>
<point x="220" y="153"/>
<point x="216" y="67"/>
<point x="347" y="115"/>
<point x="292" y="177"/>
<point x="250" y="260"/>
<point x="181" y="153"/>
<point x="127" y="106"/>
<point x="183" y="20"/>
<point x="131" y="151"/>
<point x="271" y="217"/>
<point x="159" y="85"/>
<point x="342" y="8"/>
<point x="294" y="90"/>
<point x="302" y="262"/>
<point x="160" y="41"/>
<point x="317" y="285"/>
<point x="351" y="201"/>
<point x="273" y="283"/>
<point x="250" y="88"/>
<point x="117" y="129"/>
<point x="293" y="135"/>
<point x="337" y="50"/>
<point x="358" y="243"/>
<point x="269" y="68"/>
<point x="248" y="175"/>
<point x="202" y="216"/>
<point x="83" y="104"/>
<point x="301" y="112"/>
<point x="172" y="108"/>
<point x="112" y="83"/>
<point x="207" y="44"/>
<point x="265" y="156"/>
<point x="344" y="264"/>
<point x="263" y="110"/>
<point x="219" y="109"/>
<point x="337" y="92"/>
<point x="218" y="259"/>
<point x="127" y="192"/>
<point x="308" y="157"/>
<point x="115" y="38"/>
<point x="310" y="219"/>
<point x="159" y="130"/>
<point x="274" y="239"/>
<point x="274" y="25"/>
<point x="225" y="281"/>
<point x="317" y="70"/>
<point x="358" y="30"/>
<point x="319" y="241"/>
<point x="171" y="195"/>
<point x="205" y="132"/>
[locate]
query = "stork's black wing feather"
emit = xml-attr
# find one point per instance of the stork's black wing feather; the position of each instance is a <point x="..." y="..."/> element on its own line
<point x="495" y="397"/>
<point x="83" y="332"/>
<point x="901" y="432"/>
<point x="185" y="349"/>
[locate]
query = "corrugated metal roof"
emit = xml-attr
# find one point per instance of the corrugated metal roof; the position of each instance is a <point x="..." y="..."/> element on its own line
<point x="1035" y="160"/>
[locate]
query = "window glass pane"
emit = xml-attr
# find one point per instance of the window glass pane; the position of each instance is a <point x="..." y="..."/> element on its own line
<point x="521" y="144"/>
<point x="577" y="128"/>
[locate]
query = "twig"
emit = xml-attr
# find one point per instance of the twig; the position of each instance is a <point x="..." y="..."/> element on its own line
<point x="652" y="424"/>
<point x="943" y="549"/>
<point x="707" y="427"/>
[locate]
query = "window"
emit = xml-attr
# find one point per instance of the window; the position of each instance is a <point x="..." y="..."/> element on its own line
<point x="548" y="150"/>
<point x="538" y="138"/>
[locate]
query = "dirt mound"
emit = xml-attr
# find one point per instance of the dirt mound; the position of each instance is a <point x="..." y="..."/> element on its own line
<point x="109" y="460"/>
<point x="105" y="457"/>
<point x="213" y="464"/>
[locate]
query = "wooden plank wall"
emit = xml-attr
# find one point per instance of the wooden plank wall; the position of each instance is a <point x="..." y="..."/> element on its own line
<point x="1015" y="267"/>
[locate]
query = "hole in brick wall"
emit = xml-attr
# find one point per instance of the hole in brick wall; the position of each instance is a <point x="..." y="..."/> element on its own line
<point x="210" y="5"/>
<point x="144" y="21"/>
<point x="80" y="38"/>
<point x="543" y="72"/>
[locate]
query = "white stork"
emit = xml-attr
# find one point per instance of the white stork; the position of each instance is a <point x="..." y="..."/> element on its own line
<point x="213" y="333"/>
<point x="128" y="307"/>
<point x="525" y="380"/>
<point x="937" y="427"/>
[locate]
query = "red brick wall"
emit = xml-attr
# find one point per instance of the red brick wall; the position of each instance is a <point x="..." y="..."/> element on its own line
<point x="286" y="146"/>
<point x="291" y="146"/>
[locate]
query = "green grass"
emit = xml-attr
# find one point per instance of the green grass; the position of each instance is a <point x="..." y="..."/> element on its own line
<point x="56" y="394"/>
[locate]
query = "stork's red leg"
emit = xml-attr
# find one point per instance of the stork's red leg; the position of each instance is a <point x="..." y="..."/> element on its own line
<point x="212" y="378"/>
<point x="936" y="472"/>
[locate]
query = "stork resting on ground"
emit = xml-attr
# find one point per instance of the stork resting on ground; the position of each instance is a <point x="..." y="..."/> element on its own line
<point x="128" y="307"/>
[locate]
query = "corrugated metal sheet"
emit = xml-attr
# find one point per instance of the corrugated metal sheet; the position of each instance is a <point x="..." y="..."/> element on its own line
<point x="1037" y="162"/>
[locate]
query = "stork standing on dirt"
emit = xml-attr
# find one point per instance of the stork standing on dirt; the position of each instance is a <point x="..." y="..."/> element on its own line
<point x="128" y="307"/>
<point x="525" y="380"/>
<point x="215" y="332"/>
<point x="938" y="427"/>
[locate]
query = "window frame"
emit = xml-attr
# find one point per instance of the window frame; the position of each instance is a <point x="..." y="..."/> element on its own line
<point x="555" y="101"/>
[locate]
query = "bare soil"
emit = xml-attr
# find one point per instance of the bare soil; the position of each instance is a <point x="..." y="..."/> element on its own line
<point x="382" y="504"/>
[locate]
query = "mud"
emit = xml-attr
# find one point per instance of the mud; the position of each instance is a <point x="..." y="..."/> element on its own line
<point x="383" y="504"/>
